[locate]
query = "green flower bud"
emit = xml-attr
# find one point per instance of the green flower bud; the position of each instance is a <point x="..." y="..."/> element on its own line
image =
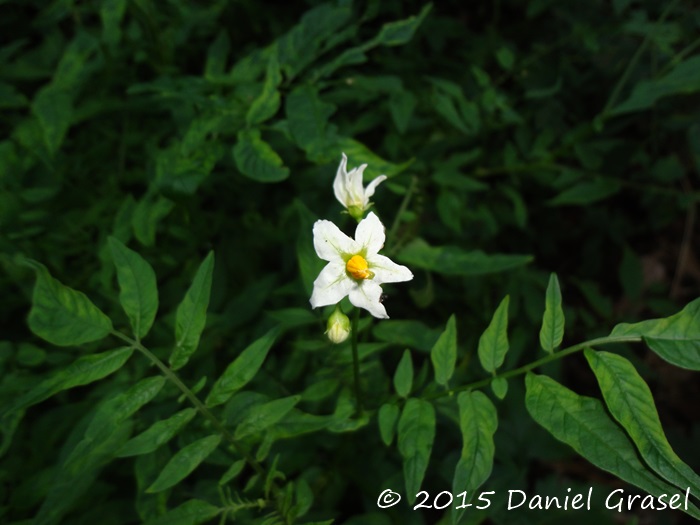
<point x="338" y="327"/>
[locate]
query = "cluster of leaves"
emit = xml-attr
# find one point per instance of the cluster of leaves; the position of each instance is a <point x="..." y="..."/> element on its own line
<point x="184" y="130"/>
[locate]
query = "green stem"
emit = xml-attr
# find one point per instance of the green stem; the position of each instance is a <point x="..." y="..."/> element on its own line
<point x="632" y="63"/>
<point x="548" y="359"/>
<point x="172" y="377"/>
<point x="356" y="361"/>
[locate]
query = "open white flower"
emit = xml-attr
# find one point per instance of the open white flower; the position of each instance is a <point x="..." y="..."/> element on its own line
<point x="354" y="267"/>
<point x="349" y="191"/>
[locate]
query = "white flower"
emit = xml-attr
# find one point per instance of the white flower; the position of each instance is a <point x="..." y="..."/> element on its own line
<point x="354" y="267"/>
<point x="348" y="189"/>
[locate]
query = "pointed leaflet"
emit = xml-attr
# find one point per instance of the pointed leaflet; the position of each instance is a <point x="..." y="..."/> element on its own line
<point x="265" y="415"/>
<point x="399" y="32"/>
<point x="234" y="470"/>
<point x="242" y="370"/>
<point x="478" y="421"/>
<point x="192" y="314"/>
<point x="138" y="293"/>
<point x="308" y="118"/>
<point x="109" y="417"/>
<point x="416" y="435"/>
<point x="630" y="402"/>
<point x="81" y="372"/>
<point x="444" y="353"/>
<point x="403" y="377"/>
<point x="157" y="434"/>
<point x="387" y="417"/>
<point x="64" y="316"/>
<point x="192" y="512"/>
<point x="499" y="387"/>
<point x="583" y="424"/>
<point x="268" y="102"/>
<point x="675" y="339"/>
<point x="493" y="343"/>
<point x="184" y="462"/>
<point x="552" y="331"/>
<point x="256" y="159"/>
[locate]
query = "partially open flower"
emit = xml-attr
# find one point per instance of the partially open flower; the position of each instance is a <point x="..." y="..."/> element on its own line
<point x="355" y="268"/>
<point x="338" y="327"/>
<point x="349" y="191"/>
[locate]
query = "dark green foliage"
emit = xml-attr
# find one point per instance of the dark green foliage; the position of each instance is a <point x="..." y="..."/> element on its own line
<point x="542" y="161"/>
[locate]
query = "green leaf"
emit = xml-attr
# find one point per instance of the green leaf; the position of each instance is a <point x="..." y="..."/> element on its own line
<point x="184" y="462"/>
<point x="586" y="192"/>
<point x="53" y="107"/>
<point x="111" y="14"/>
<point x="217" y="54"/>
<point x="387" y="417"/>
<point x="412" y="334"/>
<point x="505" y="58"/>
<point x="675" y="339"/>
<point x="478" y="421"/>
<point x="192" y="512"/>
<point x="268" y="102"/>
<point x="493" y="343"/>
<point x="137" y="283"/>
<point x="308" y="118"/>
<point x="499" y="386"/>
<point x="358" y="154"/>
<point x="630" y="402"/>
<point x="158" y="434"/>
<point x="552" y="331"/>
<point x="400" y="32"/>
<point x="416" y="434"/>
<point x="265" y="415"/>
<point x="303" y="43"/>
<point x="234" y="470"/>
<point x="403" y="377"/>
<point x="683" y="79"/>
<point x="64" y="316"/>
<point x="81" y="372"/>
<point x="108" y="419"/>
<point x="449" y="260"/>
<point x="192" y="314"/>
<point x="401" y="106"/>
<point x="242" y="370"/>
<point x="583" y="424"/>
<point x="150" y="210"/>
<point x="256" y="159"/>
<point x="444" y="353"/>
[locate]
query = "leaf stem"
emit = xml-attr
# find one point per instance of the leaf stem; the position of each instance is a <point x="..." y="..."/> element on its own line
<point x="543" y="361"/>
<point x="356" y="361"/>
<point x="173" y="378"/>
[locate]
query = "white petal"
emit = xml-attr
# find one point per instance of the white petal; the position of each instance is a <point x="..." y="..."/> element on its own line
<point x="355" y="190"/>
<point x="370" y="234"/>
<point x="330" y="242"/>
<point x="331" y="285"/>
<point x="371" y="187"/>
<point x="387" y="271"/>
<point x="366" y="296"/>
<point x="340" y="182"/>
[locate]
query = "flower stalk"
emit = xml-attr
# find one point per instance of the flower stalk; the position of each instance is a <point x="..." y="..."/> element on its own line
<point x="356" y="363"/>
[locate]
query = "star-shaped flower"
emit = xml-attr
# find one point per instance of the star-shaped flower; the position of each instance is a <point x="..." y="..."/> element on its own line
<point x="349" y="191"/>
<point x="354" y="268"/>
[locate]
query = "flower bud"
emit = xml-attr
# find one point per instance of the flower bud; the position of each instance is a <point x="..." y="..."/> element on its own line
<point x="338" y="327"/>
